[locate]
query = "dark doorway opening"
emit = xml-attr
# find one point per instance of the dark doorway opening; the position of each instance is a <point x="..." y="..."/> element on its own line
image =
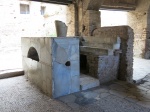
<point x="84" y="69"/>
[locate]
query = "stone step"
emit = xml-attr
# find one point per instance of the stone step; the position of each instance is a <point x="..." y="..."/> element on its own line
<point x="11" y="73"/>
<point x="98" y="40"/>
<point x="96" y="51"/>
<point x="102" y="45"/>
<point x="87" y="82"/>
<point x="99" y="45"/>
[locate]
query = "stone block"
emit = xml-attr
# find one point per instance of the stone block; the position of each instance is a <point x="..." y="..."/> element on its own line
<point x="45" y="52"/>
<point x="57" y="71"/>
<point x="75" y="84"/>
<point x="108" y="68"/>
<point x="87" y="82"/>
<point x="25" y="47"/>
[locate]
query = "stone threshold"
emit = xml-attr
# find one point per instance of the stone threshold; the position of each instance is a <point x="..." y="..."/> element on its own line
<point x="11" y="73"/>
<point x="88" y="82"/>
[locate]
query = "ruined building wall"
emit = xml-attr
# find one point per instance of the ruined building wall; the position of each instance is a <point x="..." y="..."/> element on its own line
<point x="15" y="25"/>
<point x="89" y="18"/>
<point x="90" y="26"/>
<point x="126" y="57"/>
<point x="147" y="47"/>
<point x="138" y="20"/>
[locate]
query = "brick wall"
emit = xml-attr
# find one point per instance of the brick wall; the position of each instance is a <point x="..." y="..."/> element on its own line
<point x="138" y="20"/>
<point x="126" y="57"/>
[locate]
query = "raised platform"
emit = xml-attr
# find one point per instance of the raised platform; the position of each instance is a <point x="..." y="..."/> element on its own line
<point x="87" y="82"/>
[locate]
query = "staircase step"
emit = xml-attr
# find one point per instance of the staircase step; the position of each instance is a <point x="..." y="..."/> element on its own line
<point x="87" y="82"/>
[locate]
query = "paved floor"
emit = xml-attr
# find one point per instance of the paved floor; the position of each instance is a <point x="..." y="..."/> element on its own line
<point x="141" y="68"/>
<point x="18" y="95"/>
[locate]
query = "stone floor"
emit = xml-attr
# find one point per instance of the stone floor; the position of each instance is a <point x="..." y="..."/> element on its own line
<point x="19" y="95"/>
<point x="141" y="68"/>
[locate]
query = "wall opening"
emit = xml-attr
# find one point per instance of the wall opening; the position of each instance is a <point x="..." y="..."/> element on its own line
<point x="43" y="8"/>
<point x="24" y="9"/>
<point x="84" y="69"/>
<point x="33" y="54"/>
<point x="113" y="18"/>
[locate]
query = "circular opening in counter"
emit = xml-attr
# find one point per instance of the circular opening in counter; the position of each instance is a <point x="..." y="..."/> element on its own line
<point x="68" y="63"/>
<point x="32" y="53"/>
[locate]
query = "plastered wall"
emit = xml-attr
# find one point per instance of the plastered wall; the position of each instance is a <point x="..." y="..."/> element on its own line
<point x="14" y="25"/>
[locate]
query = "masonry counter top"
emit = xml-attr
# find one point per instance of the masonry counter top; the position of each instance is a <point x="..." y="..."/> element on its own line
<point x="95" y="51"/>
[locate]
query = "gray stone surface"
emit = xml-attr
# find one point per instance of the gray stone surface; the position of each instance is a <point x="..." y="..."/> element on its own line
<point x="61" y="28"/>
<point x="87" y="82"/>
<point x="65" y="77"/>
<point x="126" y="57"/>
<point x="19" y="95"/>
<point x="108" y="68"/>
<point x="57" y="71"/>
<point x="101" y="60"/>
<point x="94" y="50"/>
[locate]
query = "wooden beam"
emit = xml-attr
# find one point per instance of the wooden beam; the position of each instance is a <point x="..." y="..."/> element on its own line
<point x="62" y="2"/>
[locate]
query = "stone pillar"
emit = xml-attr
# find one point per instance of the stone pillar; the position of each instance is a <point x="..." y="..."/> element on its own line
<point x="147" y="34"/>
<point x="91" y="21"/>
<point x="70" y="20"/>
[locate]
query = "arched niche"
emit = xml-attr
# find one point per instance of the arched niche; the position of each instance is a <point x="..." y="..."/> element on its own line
<point x="33" y="54"/>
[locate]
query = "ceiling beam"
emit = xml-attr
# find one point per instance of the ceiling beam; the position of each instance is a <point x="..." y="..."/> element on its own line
<point x="62" y="2"/>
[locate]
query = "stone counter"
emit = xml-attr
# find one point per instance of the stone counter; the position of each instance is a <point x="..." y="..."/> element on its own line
<point x="52" y="64"/>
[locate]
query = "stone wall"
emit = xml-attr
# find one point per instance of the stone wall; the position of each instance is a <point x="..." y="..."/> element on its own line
<point x="15" y="25"/>
<point x="138" y="21"/>
<point x="108" y="68"/>
<point x="91" y="22"/>
<point x="102" y="67"/>
<point x="105" y="67"/>
<point x="92" y="64"/>
<point x="126" y="57"/>
<point x="38" y="72"/>
<point x="124" y="32"/>
<point x="89" y="16"/>
<point x="147" y="33"/>
<point x="92" y="61"/>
